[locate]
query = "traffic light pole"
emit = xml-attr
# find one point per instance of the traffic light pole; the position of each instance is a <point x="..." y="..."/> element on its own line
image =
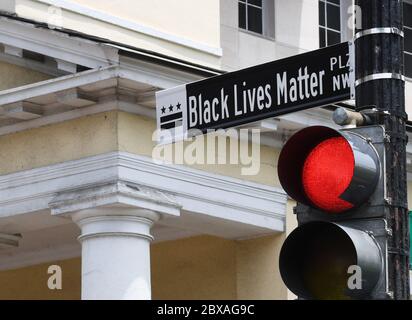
<point x="380" y="86"/>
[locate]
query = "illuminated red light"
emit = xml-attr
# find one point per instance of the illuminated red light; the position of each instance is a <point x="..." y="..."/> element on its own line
<point x="327" y="173"/>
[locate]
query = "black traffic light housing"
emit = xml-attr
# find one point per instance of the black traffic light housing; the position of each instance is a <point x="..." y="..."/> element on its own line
<point x="315" y="258"/>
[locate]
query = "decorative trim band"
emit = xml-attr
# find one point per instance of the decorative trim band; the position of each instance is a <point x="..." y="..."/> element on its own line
<point x="380" y="76"/>
<point x="115" y="234"/>
<point x="372" y="31"/>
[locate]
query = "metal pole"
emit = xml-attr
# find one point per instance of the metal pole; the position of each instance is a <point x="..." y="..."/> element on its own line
<point x="381" y="86"/>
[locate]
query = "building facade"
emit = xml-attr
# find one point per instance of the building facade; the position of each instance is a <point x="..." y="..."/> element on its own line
<point x="82" y="198"/>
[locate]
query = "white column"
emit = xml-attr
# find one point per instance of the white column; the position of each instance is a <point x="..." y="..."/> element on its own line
<point x="115" y="252"/>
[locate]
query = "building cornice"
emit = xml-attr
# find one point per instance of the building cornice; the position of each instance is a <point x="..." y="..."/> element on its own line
<point x="245" y="208"/>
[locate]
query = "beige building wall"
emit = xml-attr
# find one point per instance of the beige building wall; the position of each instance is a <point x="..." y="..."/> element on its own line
<point x="69" y="140"/>
<point x="102" y="133"/>
<point x="258" y="275"/>
<point x="185" y="29"/>
<point x="201" y="267"/>
<point x="291" y="34"/>
<point x="194" y="268"/>
<point x="31" y="282"/>
<point x="176" y="17"/>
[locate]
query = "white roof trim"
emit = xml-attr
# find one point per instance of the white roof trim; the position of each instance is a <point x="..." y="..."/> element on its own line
<point x="58" y="84"/>
<point x="56" y="44"/>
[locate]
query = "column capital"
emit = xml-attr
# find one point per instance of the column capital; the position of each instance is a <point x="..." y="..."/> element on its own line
<point x="115" y="221"/>
<point x="118" y="194"/>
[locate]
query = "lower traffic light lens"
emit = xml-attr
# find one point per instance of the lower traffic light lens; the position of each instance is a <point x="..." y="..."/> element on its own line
<point x="326" y="262"/>
<point x="327" y="173"/>
<point x="318" y="258"/>
<point x="314" y="261"/>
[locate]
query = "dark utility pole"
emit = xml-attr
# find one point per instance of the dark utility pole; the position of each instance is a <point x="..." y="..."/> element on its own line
<point x="380" y="86"/>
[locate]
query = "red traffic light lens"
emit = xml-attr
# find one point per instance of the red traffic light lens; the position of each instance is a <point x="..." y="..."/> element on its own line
<point x="327" y="173"/>
<point x="334" y="171"/>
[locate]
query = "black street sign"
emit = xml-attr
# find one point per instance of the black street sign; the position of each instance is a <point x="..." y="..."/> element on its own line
<point x="304" y="81"/>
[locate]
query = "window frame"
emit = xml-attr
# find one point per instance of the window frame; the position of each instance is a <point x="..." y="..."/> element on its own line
<point x="268" y="14"/>
<point x="325" y="27"/>
<point x="247" y="5"/>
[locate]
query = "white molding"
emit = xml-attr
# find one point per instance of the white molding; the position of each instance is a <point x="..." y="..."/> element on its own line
<point x="78" y="113"/>
<point x="133" y="26"/>
<point x="58" y="84"/>
<point x="34" y="257"/>
<point x="114" y="194"/>
<point x="56" y="44"/>
<point x="260" y="208"/>
<point x="143" y="74"/>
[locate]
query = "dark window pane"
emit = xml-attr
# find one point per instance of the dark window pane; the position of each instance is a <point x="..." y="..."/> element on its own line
<point x="254" y="19"/>
<point x="408" y="40"/>
<point x="322" y="13"/>
<point x="242" y="15"/>
<point x="333" y="37"/>
<point x="322" y="38"/>
<point x="408" y="65"/>
<point x="255" y="2"/>
<point x="333" y="17"/>
<point x="334" y="1"/>
<point x="407" y="14"/>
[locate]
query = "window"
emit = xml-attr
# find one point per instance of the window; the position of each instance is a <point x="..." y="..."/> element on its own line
<point x="257" y="16"/>
<point x="329" y="22"/>
<point x="407" y="17"/>
<point x="250" y="15"/>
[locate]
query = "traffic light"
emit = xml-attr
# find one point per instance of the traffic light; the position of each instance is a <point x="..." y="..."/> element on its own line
<point x="339" y="249"/>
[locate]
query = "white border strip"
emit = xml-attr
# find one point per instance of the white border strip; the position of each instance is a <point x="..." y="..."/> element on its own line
<point x="127" y="24"/>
